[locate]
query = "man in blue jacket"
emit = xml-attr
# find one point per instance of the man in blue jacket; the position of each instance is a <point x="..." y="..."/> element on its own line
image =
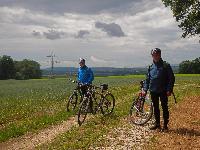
<point x="160" y="81"/>
<point x="85" y="74"/>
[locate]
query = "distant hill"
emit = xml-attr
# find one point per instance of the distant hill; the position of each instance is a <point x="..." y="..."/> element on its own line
<point x="101" y="71"/>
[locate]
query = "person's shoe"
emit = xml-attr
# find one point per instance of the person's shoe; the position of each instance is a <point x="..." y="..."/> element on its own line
<point x="156" y="126"/>
<point x="164" y="129"/>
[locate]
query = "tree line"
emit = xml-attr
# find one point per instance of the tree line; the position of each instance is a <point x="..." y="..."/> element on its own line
<point x="20" y="70"/>
<point x="192" y="67"/>
<point x="29" y="69"/>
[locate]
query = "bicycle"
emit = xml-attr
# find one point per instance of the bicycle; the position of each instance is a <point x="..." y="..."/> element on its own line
<point x="141" y="110"/>
<point x="76" y="97"/>
<point x="103" y="101"/>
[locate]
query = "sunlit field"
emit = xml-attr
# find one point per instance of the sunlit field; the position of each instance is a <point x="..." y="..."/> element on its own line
<point x="30" y="105"/>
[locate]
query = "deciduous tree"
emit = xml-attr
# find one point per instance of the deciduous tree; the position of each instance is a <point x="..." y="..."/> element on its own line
<point x="187" y="13"/>
<point x="7" y="68"/>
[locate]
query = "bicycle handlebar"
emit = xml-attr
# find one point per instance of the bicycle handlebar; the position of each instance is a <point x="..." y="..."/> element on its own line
<point x="87" y="84"/>
<point x="79" y="83"/>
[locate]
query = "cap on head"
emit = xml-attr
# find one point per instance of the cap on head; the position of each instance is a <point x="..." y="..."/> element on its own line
<point x="155" y="51"/>
<point x="81" y="60"/>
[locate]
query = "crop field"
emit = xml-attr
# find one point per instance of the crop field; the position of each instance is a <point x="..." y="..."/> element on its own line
<point x="34" y="104"/>
<point x="31" y="105"/>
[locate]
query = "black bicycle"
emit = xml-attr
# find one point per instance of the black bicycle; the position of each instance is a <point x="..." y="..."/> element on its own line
<point x="96" y="99"/>
<point x="141" y="110"/>
<point x="76" y="97"/>
<point x="107" y="100"/>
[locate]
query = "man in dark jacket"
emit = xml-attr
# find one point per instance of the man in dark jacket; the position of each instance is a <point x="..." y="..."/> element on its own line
<point x="160" y="81"/>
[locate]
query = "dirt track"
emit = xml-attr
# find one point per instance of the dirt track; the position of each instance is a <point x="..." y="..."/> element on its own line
<point x="184" y="127"/>
<point x="183" y="134"/>
<point x="33" y="140"/>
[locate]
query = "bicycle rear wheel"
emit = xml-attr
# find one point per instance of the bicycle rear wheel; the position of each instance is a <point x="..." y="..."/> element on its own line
<point x="72" y="102"/>
<point x="83" y="110"/>
<point x="108" y="104"/>
<point x="141" y="111"/>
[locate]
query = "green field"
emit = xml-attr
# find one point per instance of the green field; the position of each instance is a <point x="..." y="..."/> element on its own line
<point x="31" y="105"/>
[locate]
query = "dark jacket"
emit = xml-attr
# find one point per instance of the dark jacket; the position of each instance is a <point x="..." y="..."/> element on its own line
<point x="160" y="77"/>
<point x="85" y="75"/>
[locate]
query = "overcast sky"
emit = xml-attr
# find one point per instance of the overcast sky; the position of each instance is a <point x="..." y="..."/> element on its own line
<point x="114" y="33"/>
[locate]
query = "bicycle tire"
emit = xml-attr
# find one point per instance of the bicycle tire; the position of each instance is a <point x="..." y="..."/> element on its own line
<point x="83" y="110"/>
<point x="96" y="101"/>
<point x="140" y="114"/>
<point x="108" y="104"/>
<point x="72" y="102"/>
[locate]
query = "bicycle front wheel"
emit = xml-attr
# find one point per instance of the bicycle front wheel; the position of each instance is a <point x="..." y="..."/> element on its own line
<point x="141" y="111"/>
<point x="83" y="110"/>
<point x="108" y="104"/>
<point x="72" y="102"/>
<point x="96" y="101"/>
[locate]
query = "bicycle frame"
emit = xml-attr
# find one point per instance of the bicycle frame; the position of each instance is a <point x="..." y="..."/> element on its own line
<point x="77" y="96"/>
<point x="77" y="91"/>
<point x="91" y="100"/>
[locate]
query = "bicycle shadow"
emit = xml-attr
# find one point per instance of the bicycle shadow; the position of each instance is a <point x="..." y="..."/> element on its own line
<point x="186" y="132"/>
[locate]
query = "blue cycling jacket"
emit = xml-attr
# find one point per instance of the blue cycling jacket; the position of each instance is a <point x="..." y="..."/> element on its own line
<point x="85" y="75"/>
<point x="160" y="78"/>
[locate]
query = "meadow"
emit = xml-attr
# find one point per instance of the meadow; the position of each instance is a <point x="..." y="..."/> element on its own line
<point x="31" y="105"/>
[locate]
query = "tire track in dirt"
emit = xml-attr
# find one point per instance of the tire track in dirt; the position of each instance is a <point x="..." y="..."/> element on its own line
<point x="30" y="141"/>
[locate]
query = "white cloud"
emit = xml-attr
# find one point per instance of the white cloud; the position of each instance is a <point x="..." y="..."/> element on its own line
<point x="97" y="60"/>
<point x="101" y="62"/>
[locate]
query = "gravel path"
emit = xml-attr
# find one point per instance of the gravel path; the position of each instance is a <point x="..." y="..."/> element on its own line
<point x="126" y="137"/>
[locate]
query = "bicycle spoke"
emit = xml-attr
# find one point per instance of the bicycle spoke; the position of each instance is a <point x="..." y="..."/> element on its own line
<point x="83" y="110"/>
